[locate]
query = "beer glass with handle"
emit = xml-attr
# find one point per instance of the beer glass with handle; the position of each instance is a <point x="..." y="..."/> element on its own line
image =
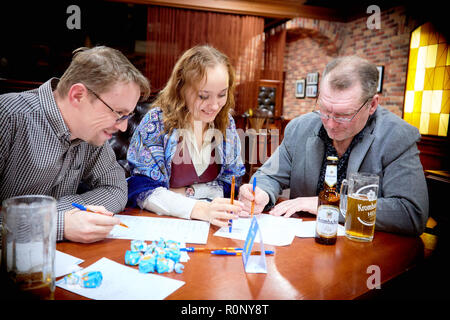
<point x="358" y="205"/>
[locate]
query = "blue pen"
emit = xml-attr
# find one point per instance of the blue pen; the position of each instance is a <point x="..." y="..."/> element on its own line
<point x="237" y="253"/>
<point x="83" y="208"/>
<point x="194" y="249"/>
<point x="79" y="206"/>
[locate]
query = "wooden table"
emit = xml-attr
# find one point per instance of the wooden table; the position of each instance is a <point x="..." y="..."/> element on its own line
<point x="303" y="270"/>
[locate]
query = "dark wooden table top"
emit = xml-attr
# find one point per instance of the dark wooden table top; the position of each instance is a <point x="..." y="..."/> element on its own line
<point x="302" y="270"/>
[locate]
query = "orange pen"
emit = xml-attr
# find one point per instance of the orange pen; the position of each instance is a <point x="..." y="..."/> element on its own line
<point x="253" y="202"/>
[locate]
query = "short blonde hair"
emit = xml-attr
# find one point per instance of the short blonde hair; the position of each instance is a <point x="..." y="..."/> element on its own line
<point x="189" y="70"/>
<point x="100" y="68"/>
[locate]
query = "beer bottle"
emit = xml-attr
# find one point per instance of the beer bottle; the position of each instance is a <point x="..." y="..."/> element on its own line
<point x="328" y="206"/>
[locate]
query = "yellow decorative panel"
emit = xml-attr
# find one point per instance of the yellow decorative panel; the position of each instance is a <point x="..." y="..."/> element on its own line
<point x="424" y="33"/>
<point x="424" y="120"/>
<point x="441" y="55"/>
<point x="421" y="58"/>
<point x="420" y="79"/>
<point x="443" y="125"/>
<point x="433" y="126"/>
<point x="446" y="78"/>
<point x="407" y="116"/>
<point x="433" y="36"/>
<point x="436" y="101"/>
<point x="426" y="101"/>
<point x="409" y="101"/>
<point x="447" y="63"/>
<point x="438" y="81"/>
<point x="429" y="79"/>
<point x="431" y="56"/>
<point x="427" y="96"/>
<point x="413" y="57"/>
<point x="411" y="79"/>
<point x="416" y="119"/>
<point x="445" y="107"/>
<point x="415" y="38"/>
<point x="417" y="101"/>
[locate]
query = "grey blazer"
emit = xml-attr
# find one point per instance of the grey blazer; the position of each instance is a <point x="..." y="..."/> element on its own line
<point x="388" y="149"/>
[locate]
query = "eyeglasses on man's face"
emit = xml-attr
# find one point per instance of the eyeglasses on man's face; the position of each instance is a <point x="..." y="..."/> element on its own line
<point x="341" y="119"/>
<point x="120" y="117"/>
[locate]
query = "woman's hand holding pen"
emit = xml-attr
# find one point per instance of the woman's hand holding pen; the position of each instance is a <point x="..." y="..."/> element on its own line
<point x="217" y="212"/>
<point x="246" y="197"/>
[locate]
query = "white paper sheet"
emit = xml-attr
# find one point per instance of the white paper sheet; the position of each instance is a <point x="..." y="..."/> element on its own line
<point x="125" y="283"/>
<point x="148" y="228"/>
<point x="65" y="263"/>
<point x="276" y="231"/>
<point x="307" y="229"/>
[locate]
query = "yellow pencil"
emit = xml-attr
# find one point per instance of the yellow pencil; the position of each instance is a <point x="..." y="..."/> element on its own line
<point x="253" y="202"/>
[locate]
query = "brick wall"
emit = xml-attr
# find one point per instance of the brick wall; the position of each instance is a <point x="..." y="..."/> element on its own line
<point x="311" y="44"/>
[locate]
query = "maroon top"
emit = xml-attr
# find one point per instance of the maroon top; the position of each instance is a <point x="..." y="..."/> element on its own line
<point x="183" y="170"/>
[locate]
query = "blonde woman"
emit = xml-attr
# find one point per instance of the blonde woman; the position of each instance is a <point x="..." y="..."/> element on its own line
<point x="186" y="150"/>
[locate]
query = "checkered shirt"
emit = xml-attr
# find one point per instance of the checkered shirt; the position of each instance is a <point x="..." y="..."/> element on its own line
<point x="37" y="157"/>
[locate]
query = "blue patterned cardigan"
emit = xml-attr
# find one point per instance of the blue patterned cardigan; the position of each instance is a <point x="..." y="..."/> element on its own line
<point x="151" y="152"/>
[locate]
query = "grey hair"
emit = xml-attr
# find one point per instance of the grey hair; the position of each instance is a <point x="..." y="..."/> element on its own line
<point x="343" y="72"/>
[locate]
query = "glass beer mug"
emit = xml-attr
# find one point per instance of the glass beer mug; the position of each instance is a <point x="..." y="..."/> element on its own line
<point x="28" y="230"/>
<point x="359" y="205"/>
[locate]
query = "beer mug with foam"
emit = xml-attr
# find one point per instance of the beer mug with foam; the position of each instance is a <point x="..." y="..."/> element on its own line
<point x="28" y="246"/>
<point x="359" y="205"/>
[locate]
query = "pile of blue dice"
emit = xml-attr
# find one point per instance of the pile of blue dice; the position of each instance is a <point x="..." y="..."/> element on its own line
<point x="159" y="256"/>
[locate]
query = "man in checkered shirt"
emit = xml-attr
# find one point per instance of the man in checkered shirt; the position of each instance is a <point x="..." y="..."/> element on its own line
<point x="53" y="139"/>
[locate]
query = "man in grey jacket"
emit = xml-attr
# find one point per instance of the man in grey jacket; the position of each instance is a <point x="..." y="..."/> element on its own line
<point x="347" y="122"/>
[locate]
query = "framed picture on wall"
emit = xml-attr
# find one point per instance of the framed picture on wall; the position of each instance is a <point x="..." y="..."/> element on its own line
<point x="300" y="88"/>
<point x="311" y="90"/>
<point x="312" y="78"/>
<point x="380" y="78"/>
